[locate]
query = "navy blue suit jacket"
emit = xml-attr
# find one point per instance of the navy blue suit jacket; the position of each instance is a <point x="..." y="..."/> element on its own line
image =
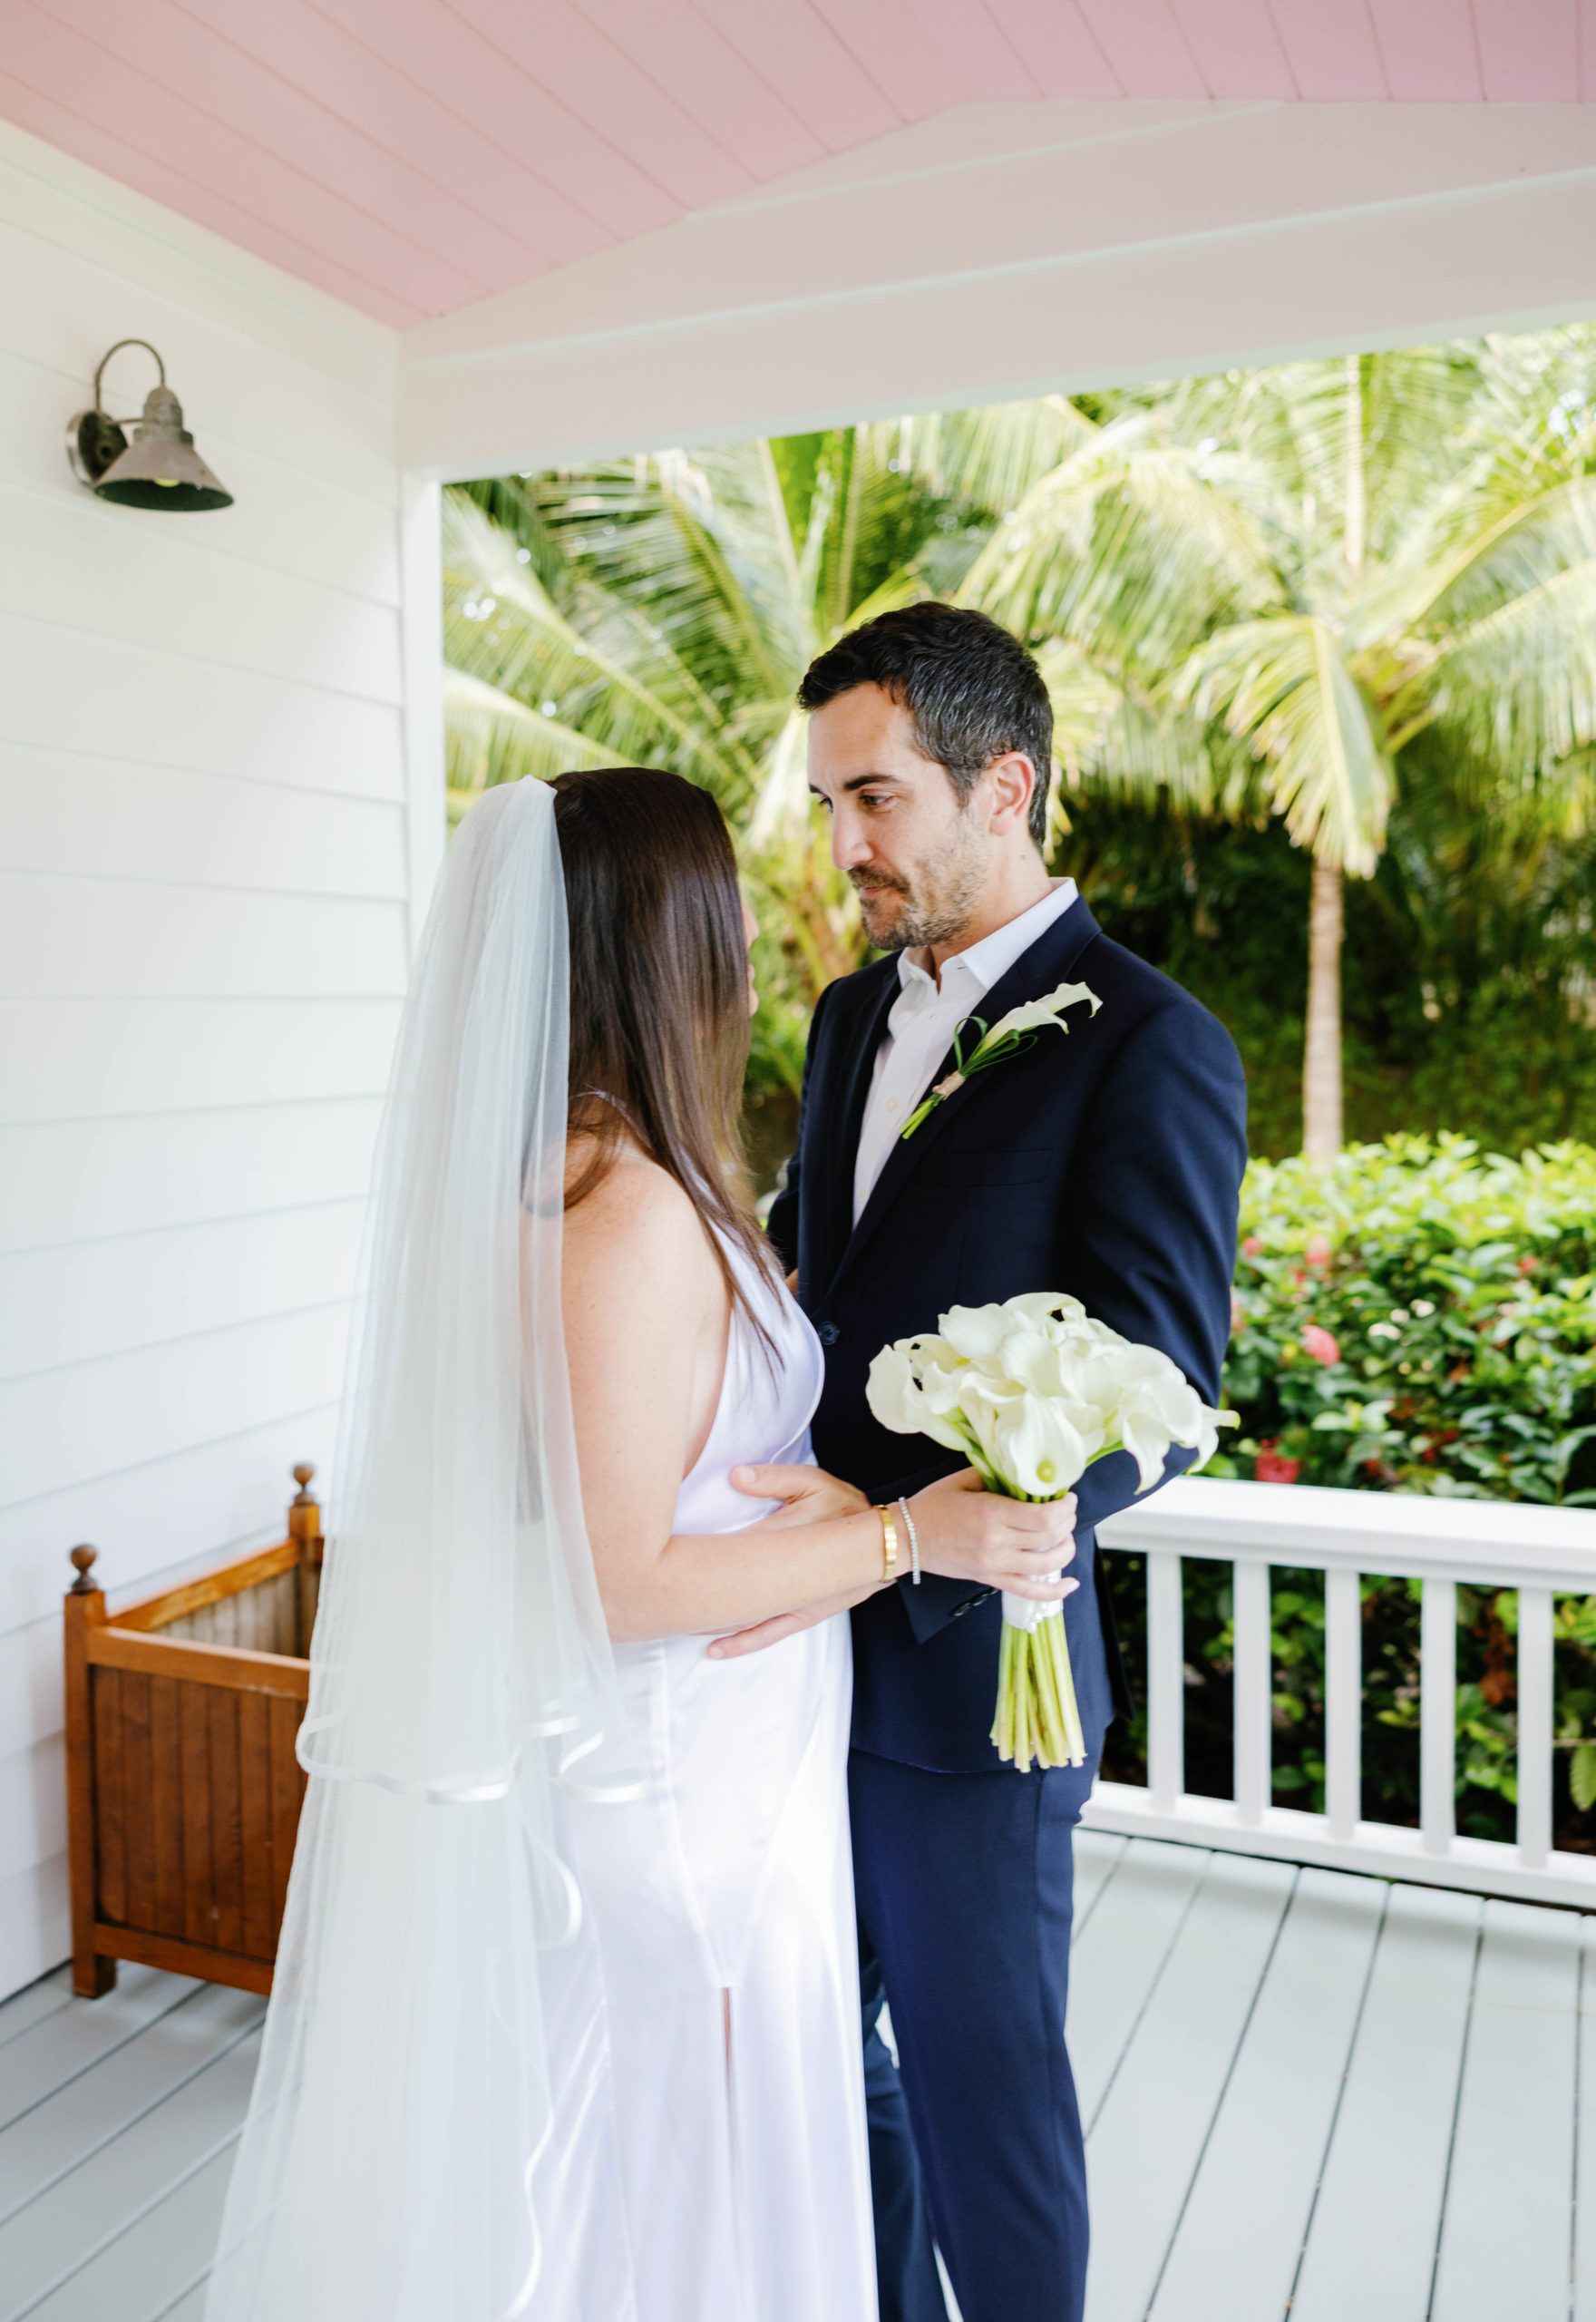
<point x="1105" y="1161"/>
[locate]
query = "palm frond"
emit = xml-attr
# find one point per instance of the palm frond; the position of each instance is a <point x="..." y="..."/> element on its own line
<point x="1282" y="688"/>
<point x="606" y="670"/>
<point x="1132" y="546"/>
<point x="490" y="737"/>
<point x="990" y="457"/>
<point x="1517" y="686"/>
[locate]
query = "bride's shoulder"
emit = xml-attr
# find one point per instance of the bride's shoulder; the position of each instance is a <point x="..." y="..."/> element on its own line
<point x="637" y="1218"/>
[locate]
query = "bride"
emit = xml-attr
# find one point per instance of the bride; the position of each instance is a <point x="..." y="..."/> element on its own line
<point x="565" y="2021"/>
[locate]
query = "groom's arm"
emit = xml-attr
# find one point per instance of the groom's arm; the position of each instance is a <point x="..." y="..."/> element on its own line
<point x="1146" y="1235"/>
<point x="1152" y="1208"/>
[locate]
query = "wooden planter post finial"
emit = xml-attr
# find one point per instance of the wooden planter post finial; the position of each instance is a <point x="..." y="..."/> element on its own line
<point x="92" y="1972"/>
<point x="304" y="1527"/>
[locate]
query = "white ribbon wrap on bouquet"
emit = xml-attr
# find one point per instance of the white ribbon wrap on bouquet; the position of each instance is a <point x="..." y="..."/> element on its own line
<point x="1025" y="1612"/>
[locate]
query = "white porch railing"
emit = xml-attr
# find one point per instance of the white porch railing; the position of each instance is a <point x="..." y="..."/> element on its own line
<point x="1540" y="1552"/>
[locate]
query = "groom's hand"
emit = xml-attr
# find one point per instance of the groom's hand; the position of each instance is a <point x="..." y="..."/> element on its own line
<point x="808" y="1495"/>
<point x="784" y="1625"/>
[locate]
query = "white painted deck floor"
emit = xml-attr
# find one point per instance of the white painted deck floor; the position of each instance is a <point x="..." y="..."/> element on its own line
<point x="1308" y="2094"/>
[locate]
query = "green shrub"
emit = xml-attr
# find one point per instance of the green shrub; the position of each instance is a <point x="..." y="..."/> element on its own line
<point x="1421" y="1318"/>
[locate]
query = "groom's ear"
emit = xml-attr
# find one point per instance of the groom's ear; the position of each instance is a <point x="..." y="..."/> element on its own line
<point x="1011" y="784"/>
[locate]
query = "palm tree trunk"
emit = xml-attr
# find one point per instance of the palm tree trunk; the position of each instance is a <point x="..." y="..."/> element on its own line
<point x="1321" y="1057"/>
<point x="1321" y="1060"/>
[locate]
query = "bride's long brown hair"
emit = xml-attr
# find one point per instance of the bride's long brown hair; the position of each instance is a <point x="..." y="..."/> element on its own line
<point x="659" y="994"/>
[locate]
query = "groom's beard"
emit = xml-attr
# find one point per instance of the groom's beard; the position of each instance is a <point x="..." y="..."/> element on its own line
<point x="934" y="904"/>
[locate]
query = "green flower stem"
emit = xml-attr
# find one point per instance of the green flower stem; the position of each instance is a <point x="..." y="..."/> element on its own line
<point x="1038" y="1714"/>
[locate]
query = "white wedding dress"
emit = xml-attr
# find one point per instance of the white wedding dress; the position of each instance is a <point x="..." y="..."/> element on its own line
<point x="708" y="2159"/>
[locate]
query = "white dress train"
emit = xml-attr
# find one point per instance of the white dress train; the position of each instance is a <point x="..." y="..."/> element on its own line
<point x="708" y="2160"/>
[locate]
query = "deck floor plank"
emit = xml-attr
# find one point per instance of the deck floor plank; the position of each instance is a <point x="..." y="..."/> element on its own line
<point x="1371" y="2244"/>
<point x="39" y="2060"/>
<point x="1583" y="2236"/>
<point x="34" y="2002"/>
<point x="1514" y="2149"/>
<point x="1117" y="1960"/>
<point x="1148" y="2139"/>
<point x="1097" y="1855"/>
<point x="1264" y="2055"/>
<point x="164" y="2257"/>
<point x="45" y="2244"/>
<point x="1235" y="2251"/>
<point x="104" y="2102"/>
<point x="191" y="2308"/>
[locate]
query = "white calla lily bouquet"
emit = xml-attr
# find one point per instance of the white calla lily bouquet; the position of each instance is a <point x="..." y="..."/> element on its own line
<point x="1032" y="1392"/>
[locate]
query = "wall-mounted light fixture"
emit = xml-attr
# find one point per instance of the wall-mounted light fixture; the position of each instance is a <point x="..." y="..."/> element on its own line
<point x="160" y="468"/>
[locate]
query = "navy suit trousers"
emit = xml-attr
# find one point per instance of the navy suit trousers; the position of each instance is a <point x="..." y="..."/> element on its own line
<point x="964" y="1885"/>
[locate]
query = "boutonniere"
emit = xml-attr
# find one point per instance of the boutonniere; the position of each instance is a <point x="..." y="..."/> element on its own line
<point x="1009" y="1036"/>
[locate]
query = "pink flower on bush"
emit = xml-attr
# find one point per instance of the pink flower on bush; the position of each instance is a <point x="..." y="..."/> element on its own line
<point x="1317" y="1342"/>
<point x="1270" y="1467"/>
<point x="1317" y="1251"/>
<point x="1252" y="1247"/>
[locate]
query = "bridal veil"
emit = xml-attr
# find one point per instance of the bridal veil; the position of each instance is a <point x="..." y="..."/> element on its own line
<point x="395" y="2165"/>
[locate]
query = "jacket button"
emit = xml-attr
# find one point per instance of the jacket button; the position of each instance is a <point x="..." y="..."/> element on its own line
<point x="828" y="1334"/>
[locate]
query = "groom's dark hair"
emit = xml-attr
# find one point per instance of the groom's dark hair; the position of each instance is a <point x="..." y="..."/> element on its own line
<point x="972" y="690"/>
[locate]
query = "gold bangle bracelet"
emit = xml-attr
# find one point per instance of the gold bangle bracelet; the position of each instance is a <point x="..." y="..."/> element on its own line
<point x="888" y="1543"/>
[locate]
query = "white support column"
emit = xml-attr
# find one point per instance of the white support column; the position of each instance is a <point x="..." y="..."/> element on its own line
<point x="1438" y="1730"/>
<point x="1166" y="1681"/>
<point x="1534" y="1726"/>
<point x="1252" y="1686"/>
<point x="1343" y="1701"/>
<point x="421" y="581"/>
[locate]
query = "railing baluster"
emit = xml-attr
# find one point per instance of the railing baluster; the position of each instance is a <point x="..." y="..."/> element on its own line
<point x="1534" y="1726"/>
<point x="1166" y="1681"/>
<point x="1343" y="1701"/>
<point x="1252" y="1686"/>
<point x="1438" y="1714"/>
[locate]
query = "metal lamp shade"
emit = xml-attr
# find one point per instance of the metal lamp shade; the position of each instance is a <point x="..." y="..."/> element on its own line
<point x="161" y="468"/>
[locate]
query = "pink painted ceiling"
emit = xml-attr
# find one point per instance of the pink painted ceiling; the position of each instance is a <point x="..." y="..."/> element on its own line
<point x="411" y="156"/>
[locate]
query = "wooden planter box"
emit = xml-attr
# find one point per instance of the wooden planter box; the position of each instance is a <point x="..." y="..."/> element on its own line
<point x="183" y="1789"/>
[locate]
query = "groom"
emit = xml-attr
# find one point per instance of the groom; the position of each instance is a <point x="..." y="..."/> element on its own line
<point x="1104" y="1162"/>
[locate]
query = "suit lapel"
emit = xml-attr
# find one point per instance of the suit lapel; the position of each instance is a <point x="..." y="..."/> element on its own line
<point x="1048" y="962"/>
<point x="856" y="1071"/>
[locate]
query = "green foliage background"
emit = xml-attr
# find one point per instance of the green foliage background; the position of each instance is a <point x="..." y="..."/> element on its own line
<point x="1466" y="1002"/>
<point x="1421" y="1319"/>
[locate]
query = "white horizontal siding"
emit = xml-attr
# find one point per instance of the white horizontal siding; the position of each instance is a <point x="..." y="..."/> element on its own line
<point x="100" y="1419"/>
<point x="60" y="1183"/>
<point x="96" y="1299"/>
<point x="207" y="842"/>
<point x="163" y="1517"/>
<point x="35" y="1927"/>
<point x="162" y="707"/>
<point x="169" y="824"/>
<point x="32" y="1805"/>
<point x="62" y="936"/>
<point x="91" y="1059"/>
<point x="104" y="571"/>
<point x="30" y="1683"/>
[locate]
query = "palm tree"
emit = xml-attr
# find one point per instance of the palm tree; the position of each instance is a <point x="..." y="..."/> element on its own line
<point x="1283" y="582"/>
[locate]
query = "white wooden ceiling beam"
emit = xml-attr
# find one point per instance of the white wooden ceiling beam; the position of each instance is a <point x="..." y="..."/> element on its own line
<point x="1015" y="249"/>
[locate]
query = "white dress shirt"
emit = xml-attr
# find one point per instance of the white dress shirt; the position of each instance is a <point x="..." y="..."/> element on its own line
<point x="924" y="1018"/>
